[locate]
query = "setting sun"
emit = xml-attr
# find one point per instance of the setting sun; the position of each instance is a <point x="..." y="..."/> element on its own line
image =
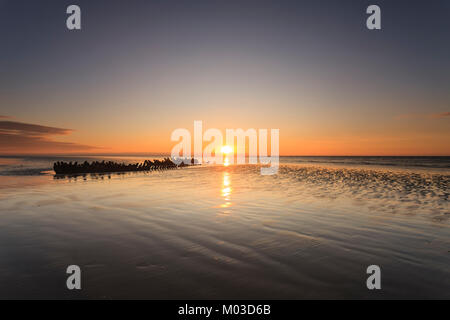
<point x="226" y="150"/>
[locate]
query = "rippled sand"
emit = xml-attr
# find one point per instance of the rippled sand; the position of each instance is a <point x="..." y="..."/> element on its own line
<point x="227" y="232"/>
<point x="392" y="191"/>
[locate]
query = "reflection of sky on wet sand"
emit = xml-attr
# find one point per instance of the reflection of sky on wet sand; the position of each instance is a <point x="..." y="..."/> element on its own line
<point x="226" y="232"/>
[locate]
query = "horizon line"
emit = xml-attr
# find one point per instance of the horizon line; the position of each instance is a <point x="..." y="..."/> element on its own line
<point x="168" y="154"/>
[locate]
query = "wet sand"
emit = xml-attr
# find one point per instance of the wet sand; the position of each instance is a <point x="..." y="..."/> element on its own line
<point x="227" y="232"/>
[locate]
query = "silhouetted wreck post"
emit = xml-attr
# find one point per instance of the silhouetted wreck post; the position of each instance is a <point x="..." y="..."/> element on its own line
<point x="61" y="167"/>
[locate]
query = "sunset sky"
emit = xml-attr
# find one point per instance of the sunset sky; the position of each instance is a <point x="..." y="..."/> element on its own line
<point x="140" y="69"/>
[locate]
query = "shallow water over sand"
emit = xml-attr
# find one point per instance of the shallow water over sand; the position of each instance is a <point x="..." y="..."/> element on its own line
<point x="227" y="232"/>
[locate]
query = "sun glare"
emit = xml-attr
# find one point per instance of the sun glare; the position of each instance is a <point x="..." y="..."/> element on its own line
<point x="226" y="150"/>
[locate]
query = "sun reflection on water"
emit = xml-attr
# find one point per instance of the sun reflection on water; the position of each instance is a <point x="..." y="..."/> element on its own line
<point x="226" y="190"/>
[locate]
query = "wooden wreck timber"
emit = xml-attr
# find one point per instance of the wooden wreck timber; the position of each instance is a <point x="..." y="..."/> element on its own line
<point x="111" y="166"/>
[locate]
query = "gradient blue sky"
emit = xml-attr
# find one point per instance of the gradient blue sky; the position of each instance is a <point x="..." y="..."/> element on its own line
<point x="139" y="69"/>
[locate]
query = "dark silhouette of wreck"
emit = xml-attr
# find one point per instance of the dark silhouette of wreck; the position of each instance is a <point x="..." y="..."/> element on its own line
<point x="61" y="167"/>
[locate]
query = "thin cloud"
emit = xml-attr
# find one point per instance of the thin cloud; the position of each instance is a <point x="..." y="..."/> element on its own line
<point x="31" y="129"/>
<point x="440" y="115"/>
<point x="19" y="137"/>
<point x="423" y="116"/>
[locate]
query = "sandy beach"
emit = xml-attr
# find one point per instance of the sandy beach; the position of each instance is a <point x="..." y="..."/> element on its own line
<point x="227" y="232"/>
